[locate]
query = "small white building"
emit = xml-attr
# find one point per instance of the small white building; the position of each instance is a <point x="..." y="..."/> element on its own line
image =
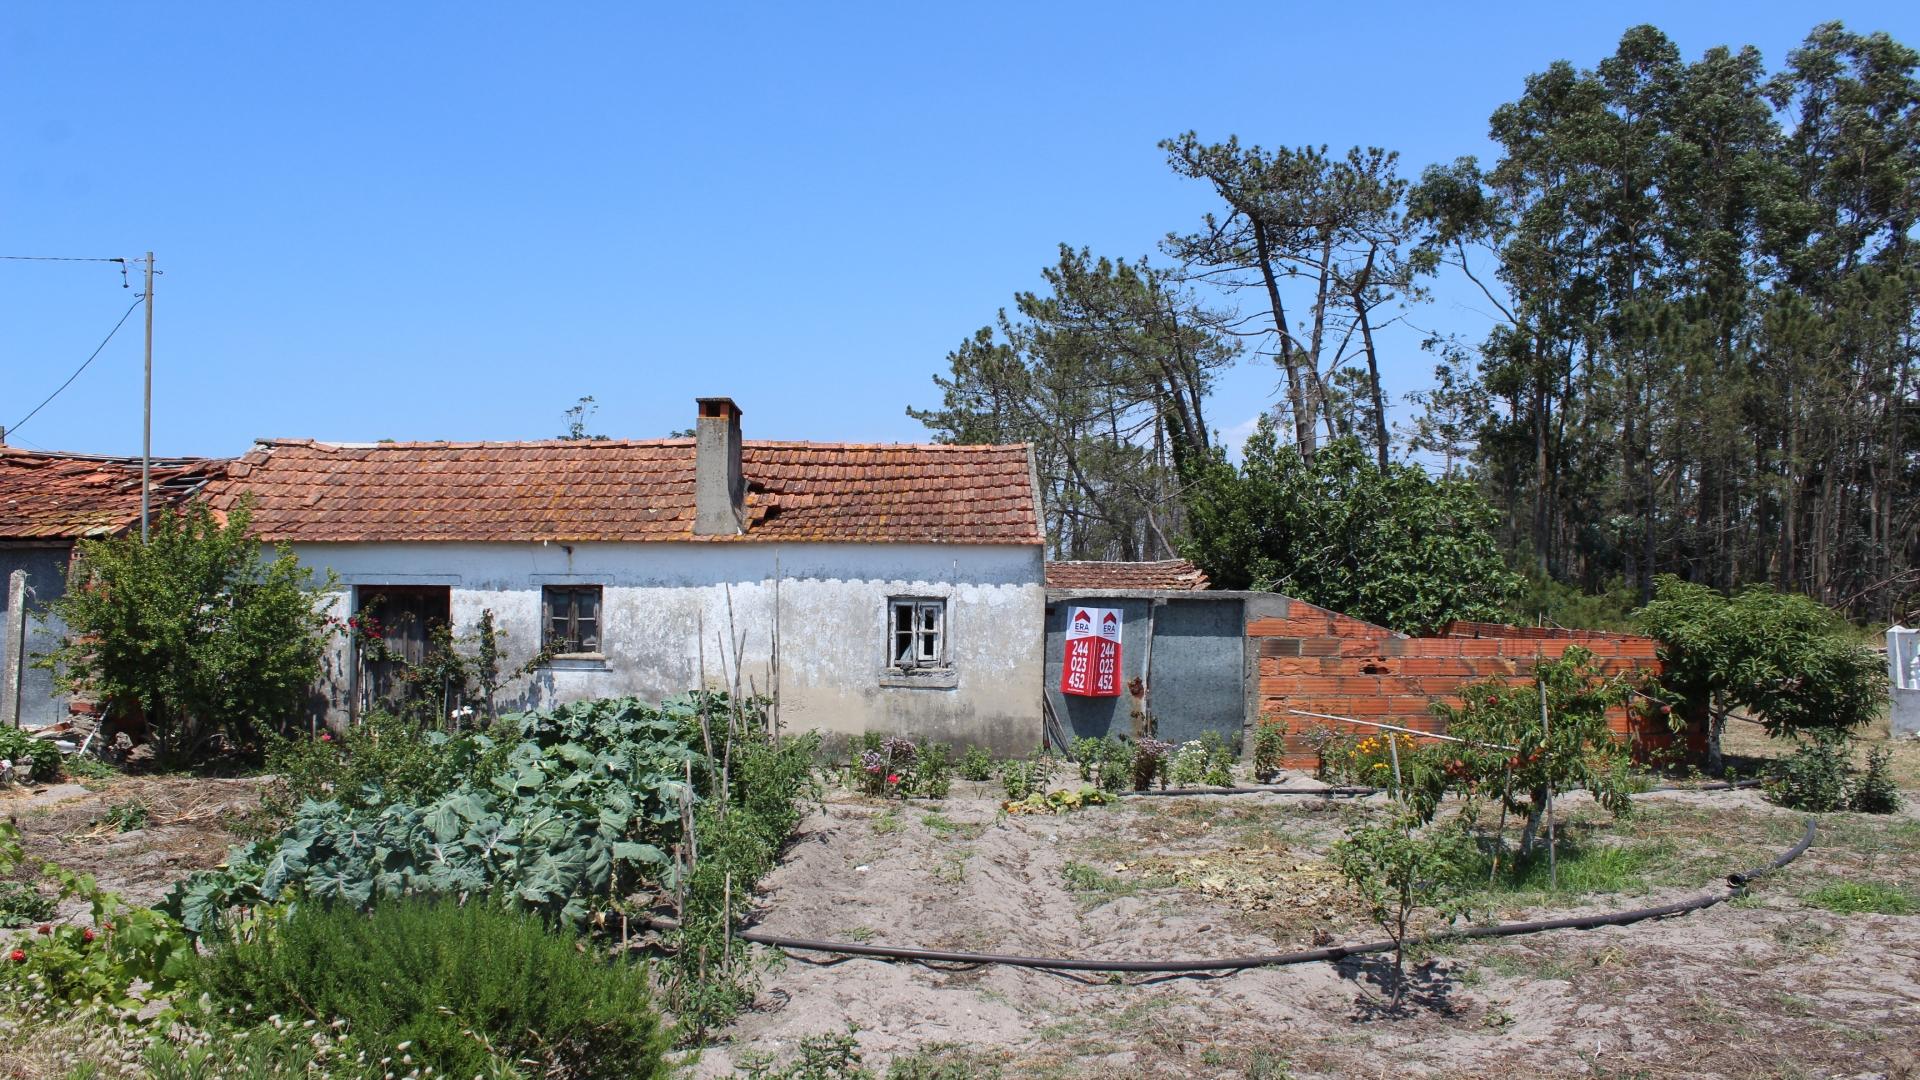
<point x="888" y="588"/>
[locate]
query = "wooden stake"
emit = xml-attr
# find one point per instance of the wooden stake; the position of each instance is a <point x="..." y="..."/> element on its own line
<point x="1546" y="741"/>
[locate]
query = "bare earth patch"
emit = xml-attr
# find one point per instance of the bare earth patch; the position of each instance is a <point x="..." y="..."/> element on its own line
<point x="1770" y="986"/>
<point x="188" y="826"/>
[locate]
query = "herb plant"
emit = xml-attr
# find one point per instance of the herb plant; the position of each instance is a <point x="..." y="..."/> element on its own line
<point x="1814" y="776"/>
<point x="1269" y="746"/>
<point x="31" y="759"/>
<point x="976" y="764"/>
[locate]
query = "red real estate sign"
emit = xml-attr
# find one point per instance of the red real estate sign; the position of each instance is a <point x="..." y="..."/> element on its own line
<point x="1091" y="664"/>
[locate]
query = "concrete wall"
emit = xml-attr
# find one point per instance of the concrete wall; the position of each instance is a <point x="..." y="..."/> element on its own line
<point x="665" y="605"/>
<point x="1903" y="672"/>
<point x="46" y="567"/>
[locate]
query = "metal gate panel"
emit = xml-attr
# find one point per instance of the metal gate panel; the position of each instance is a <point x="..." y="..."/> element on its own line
<point x="1197" y="669"/>
<point x="1198" y="665"/>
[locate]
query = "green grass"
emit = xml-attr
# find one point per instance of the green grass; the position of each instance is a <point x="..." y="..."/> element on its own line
<point x="1092" y="886"/>
<point x="1583" y="867"/>
<point x="942" y="825"/>
<point x="888" y="822"/>
<point x="1862" y="897"/>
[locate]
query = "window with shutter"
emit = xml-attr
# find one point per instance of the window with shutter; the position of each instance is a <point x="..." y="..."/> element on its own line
<point x="571" y="619"/>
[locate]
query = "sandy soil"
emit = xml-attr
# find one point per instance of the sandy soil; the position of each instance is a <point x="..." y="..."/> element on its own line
<point x="190" y="825"/>
<point x="1767" y="987"/>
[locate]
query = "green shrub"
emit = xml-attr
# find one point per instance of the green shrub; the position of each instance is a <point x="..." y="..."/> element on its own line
<point x="1813" y="777"/>
<point x="22" y="904"/>
<point x="1856" y="897"/>
<point x="1875" y="792"/>
<point x="976" y="764"/>
<point x="826" y="1056"/>
<point x="932" y="772"/>
<point x="384" y="758"/>
<point x="1219" y="767"/>
<point x="738" y="841"/>
<point x="467" y="988"/>
<point x="127" y="816"/>
<point x="1399" y="868"/>
<point x="38" y="759"/>
<point x="583" y="808"/>
<point x="1020" y="778"/>
<point x="87" y="767"/>
<point x="1189" y="764"/>
<point x="1107" y="763"/>
<point x="1555" y="603"/>
<point x="206" y="629"/>
<point x="1780" y="657"/>
<point x="1510" y="753"/>
<point x="1269" y="746"/>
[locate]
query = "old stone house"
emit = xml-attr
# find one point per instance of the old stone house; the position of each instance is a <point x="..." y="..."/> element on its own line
<point x="893" y="588"/>
<point x="49" y="502"/>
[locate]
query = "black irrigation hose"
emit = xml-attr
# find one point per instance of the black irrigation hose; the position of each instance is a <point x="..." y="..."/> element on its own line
<point x="1331" y="792"/>
<point x="1736" y="886"/>
<point x="1718" y="785"/>
<point x="1327" y="792"/>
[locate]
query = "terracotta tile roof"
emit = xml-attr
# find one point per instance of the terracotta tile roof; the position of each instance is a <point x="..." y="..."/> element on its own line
<point x="55" y="496"/>
<point x="631" y="490"/>
<point x="1167" y="574"/>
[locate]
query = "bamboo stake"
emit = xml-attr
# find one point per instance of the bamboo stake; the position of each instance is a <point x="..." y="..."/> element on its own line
<point x="1500" y="835"/>
<point x="1399" y="789"/>
<point x="773" y="712"/>
<point x="1546" y="740"/>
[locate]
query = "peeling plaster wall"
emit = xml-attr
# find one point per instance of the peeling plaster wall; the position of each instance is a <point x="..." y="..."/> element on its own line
<point x="665" y="611"/>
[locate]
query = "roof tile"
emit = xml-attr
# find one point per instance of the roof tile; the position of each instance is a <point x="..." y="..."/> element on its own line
<point x="632" y="491"/>
<point x="1166" y="574"/>
<point x="55" y="496"/>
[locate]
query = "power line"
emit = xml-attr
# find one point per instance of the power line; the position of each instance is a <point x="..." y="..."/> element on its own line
<point x="83" y="366"/>
<point x="55" y="258"/>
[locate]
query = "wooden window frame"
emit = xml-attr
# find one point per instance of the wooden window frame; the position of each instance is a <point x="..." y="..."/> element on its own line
<point x="558" y="644"/>
<point x="928" y="643"/>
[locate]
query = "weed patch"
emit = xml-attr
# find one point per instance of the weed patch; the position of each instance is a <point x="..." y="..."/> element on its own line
<point x="1863" y="897"/>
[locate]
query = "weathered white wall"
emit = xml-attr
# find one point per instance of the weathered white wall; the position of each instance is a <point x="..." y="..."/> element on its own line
<point x="665" y="605"/>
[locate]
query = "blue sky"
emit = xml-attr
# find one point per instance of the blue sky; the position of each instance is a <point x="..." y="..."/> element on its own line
<point x="449" y="221"/>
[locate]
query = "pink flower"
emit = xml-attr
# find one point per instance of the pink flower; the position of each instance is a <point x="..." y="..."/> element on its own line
<point x="86" y="935"/>
<point x="893" y="778"/>
<point x="326" y="737"/>
<point x="18" y="956"/>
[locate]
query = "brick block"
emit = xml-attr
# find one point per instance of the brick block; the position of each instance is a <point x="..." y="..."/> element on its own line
<point x="1279" y="646"/>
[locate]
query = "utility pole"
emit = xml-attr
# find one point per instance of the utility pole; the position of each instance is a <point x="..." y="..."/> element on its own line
<point x="146" y="430"/>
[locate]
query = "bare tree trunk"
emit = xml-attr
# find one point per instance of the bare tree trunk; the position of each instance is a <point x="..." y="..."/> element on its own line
<point x="1303" y="413"/>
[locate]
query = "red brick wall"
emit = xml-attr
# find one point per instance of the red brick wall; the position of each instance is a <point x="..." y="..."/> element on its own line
<point x="1324" y="662"/>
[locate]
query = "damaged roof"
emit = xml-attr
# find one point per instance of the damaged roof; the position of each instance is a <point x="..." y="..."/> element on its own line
<point x="1165" y="575"/>
<point x="55" y="496"/>
<point x="623" y="490"/>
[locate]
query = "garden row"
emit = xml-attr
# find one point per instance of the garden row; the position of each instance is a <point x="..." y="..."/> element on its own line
<point x="467" y="903"/>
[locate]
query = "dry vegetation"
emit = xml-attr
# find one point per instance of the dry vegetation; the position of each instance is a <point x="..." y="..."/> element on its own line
<point x="1777" y="984"/>
<point x="1774" y="984"/>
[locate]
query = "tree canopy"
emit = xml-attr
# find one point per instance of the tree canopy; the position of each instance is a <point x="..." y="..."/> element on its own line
<point x="1703" y="356"/>
<point x="1394" y="546"/>
<point x="197" y="628"/>
<point x="1783" y="658"/>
